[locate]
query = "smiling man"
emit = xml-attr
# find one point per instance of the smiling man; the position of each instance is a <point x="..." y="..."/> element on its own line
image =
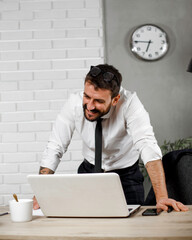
<point x="127" y="136"/>
<point x="97" y="103"/>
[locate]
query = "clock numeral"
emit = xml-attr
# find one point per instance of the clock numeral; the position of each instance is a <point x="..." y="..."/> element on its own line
<point x="148" y="28"/>
<point x="162" y="41"/>
<point x="143" y="53"/>
<point x="156" y="53"/>
<point x="150" y="55"/>
<point x="138" y="49"/>
<point x="160" y="35"/>
<point x="138" y="35"/>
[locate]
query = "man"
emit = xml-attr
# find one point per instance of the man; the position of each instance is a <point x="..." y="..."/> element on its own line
<point x="126" y="136"/>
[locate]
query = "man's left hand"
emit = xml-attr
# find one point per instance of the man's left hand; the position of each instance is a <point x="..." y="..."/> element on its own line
<point x="164" y="203"/>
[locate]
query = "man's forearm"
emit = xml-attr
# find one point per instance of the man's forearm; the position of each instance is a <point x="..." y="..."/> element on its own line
<point x="44" y="170"/>
<point x="157" y="176"/>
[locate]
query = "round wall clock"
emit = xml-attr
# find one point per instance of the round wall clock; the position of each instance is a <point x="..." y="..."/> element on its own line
<point x="149" y="42"/>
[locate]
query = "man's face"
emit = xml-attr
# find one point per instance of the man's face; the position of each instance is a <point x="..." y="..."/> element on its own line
<point x="97" y="103"/>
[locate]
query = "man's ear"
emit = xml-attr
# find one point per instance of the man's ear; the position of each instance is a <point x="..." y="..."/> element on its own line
<point x="115" y="100"/>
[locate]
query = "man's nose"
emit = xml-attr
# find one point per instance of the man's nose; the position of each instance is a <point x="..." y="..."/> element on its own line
<point x="90" y="105"/>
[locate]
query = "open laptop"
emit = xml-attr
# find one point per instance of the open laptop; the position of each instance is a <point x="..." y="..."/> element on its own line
<point x="81" y="195"/>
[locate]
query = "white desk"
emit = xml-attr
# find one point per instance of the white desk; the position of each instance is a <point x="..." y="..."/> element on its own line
<point x="163" y="227"/>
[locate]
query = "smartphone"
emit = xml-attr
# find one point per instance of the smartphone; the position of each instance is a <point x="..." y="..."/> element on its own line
<point x="152" y="212"/>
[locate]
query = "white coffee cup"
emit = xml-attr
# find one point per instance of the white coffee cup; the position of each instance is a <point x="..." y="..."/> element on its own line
<point x="21" y="211"/>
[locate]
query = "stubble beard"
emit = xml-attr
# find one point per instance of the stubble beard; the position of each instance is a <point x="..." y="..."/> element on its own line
<point x="94" y="111"/>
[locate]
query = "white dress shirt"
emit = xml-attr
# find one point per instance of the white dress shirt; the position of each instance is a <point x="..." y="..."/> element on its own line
<point x="127" y="134"/>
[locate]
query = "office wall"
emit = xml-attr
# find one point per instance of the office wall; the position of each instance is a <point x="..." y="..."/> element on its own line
<point x="46" y="48"/>
<point x="164" y="86"/>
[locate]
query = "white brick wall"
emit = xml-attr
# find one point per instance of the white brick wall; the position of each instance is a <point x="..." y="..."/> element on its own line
<point x="46" y="48"/>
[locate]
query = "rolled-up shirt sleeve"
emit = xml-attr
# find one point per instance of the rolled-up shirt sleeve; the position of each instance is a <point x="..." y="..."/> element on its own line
<point x="60" y="137"/>
<point x="139" y="127"/>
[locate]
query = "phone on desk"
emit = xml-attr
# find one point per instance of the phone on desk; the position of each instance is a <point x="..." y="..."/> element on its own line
<point x="152" y="212"/>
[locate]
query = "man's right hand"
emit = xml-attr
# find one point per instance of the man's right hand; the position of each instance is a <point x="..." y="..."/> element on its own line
<point x="35" y="204"/>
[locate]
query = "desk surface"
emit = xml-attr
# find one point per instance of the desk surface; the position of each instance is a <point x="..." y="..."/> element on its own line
<point x="165" y="226"/>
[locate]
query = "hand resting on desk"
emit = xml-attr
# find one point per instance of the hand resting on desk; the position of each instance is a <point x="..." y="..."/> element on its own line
<point x="163" y="203"/>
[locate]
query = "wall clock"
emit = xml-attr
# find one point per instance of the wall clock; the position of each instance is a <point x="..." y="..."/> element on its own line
<point x="149" y="42"/>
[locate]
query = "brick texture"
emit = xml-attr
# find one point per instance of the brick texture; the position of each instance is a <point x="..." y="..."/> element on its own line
<point x="46" y="48"/>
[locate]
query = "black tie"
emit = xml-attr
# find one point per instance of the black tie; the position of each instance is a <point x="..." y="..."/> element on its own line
<point x="98" y="146"/>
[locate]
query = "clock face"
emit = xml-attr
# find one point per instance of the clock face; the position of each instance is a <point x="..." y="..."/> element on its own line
<point x="149" y="42"/>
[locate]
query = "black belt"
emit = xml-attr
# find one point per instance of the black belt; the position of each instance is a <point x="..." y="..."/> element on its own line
<point x="118" y="171"/>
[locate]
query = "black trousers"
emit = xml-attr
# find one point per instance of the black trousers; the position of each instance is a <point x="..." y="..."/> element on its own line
<point x="131" y="180"/>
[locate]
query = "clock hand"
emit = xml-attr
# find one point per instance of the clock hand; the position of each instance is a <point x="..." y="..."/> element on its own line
<point x="136" y="41"/>
<point x="148" y="45"/>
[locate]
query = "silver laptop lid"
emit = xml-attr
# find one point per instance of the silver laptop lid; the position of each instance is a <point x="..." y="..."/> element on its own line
<point x="80" y="195"/>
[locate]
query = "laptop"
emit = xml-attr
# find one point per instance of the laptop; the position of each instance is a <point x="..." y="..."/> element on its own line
<point x="81" y="195"/>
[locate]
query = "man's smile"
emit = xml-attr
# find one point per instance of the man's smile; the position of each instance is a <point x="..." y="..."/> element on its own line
<point x="91" y="114"/>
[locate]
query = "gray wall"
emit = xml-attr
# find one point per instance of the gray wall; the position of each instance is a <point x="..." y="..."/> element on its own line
<point x="164" y="86"/>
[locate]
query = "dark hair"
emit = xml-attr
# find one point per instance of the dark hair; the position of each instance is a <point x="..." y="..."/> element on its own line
<point x="105" y="77"/>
